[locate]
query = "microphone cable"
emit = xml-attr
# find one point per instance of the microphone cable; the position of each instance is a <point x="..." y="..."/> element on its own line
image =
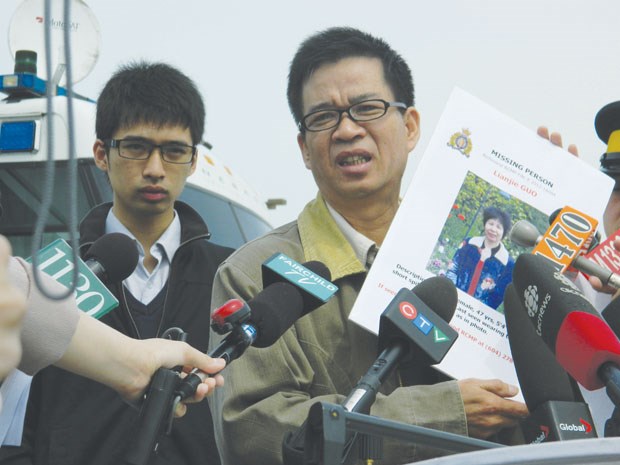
<point x="48" y="185"/>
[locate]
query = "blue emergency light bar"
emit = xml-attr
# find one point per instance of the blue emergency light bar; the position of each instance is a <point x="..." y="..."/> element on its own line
<point x="25" y="84"/>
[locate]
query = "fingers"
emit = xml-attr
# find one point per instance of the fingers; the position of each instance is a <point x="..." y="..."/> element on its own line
<point x="556" y="139"/>
<point x="499" y="388"/>
<point x="572" y="149"/>
<point x="543" y="132"/>
<point x="194" y="358"/>
<point x="488" y="408"/>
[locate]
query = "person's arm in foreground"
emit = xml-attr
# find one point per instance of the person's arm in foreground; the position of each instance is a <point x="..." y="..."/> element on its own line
<point x="102" y="354"/>
<point x="82" y="344"/>
<point x="12" y="309"/>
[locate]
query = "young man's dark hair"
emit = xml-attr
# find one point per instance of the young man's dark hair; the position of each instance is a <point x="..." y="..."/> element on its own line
<point x="497" y="214"/>
<point x="334" y="44"/>
<point x="151" y="93"/>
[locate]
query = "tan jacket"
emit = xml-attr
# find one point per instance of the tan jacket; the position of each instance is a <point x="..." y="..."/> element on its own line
<point x="269" y="391"/>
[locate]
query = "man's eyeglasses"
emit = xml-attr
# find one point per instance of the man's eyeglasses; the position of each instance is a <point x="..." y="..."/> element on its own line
<point x="136" y="149"/>
<point x="366" y="110"/>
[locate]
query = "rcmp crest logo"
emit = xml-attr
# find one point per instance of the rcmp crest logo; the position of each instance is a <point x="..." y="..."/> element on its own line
<point x="461" y="142"/>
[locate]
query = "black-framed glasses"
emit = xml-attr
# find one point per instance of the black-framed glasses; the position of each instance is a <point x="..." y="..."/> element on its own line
<point x="366" y="110"/>
<point x="139" y="149"/>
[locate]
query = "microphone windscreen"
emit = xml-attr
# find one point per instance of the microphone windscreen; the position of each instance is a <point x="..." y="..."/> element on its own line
<point x="567" y="322"/>
<point x="611" y="314"/>
<point x="116" y="253"/>
<point x="540" y="375"/>
<point x="440" y="294"/>
<point x="548" y="295"/>
<point x="274" y="310"/>
<point x="320" y="269"/>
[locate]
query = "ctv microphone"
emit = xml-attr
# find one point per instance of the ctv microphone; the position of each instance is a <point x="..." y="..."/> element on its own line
<point x="525" y="234"/>
<point x="112" y="257"/>
<point x="413" y="327"/>
<point x="557" y="409"/>
<point x="582" y="342"/>
<point x="408" y="331"/>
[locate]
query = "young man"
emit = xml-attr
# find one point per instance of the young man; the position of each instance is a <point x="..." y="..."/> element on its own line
<point x="149" y="119"/>
<point x="352" y="97"/>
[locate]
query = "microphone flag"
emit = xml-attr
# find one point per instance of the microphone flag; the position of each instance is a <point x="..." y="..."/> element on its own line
<point x="91" y="295"/>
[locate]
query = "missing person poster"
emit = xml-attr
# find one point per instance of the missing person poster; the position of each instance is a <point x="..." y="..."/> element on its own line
<point x="481" y="173"/>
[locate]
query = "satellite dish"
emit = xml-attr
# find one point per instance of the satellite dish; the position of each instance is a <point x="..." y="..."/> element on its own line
<point x="27" y="32"/>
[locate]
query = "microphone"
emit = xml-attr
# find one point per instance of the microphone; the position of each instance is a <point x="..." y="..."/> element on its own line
<point x="259" y="322"/>
<point x="112" y="257"/>
<point x="262" y="320"/>
<point x="583" y="344"/>
<point x="408" y="331"/>
<point x="413" y="327"/>
<point x="525" y="234"/>
<point x="557" y="409"/>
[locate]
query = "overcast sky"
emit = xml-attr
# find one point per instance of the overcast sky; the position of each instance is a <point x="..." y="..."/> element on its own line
<point x="539" y="61"/>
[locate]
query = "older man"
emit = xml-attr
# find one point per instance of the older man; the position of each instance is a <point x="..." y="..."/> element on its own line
<point x="352" y="97"/>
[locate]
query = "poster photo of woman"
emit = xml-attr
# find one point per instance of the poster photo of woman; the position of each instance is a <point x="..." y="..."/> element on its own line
<point x="474" y="250"/>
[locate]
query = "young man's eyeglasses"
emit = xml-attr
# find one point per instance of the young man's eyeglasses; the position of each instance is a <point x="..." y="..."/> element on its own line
<point x="137" y="149"/>
<point x="366" y="110"/>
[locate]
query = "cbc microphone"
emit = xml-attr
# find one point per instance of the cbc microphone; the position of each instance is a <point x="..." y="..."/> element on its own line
<point x="413" y="328"/>
<point x="112" y="257"/>
<point x="583" y="344"/>
<point x="525" y="234"/>
<point x="557" y="409"/>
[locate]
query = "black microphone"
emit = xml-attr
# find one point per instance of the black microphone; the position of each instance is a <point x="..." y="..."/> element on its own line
<point x="262" y="320"/>
<point x="583" y="344"/>
<point x="611" y="313"/>
<point x="557" y="409"/>
<point x="112" y="257"/>
<point x="413" y="328"/>
<point x="408" y="331"/>
<point x="259" y="322"/>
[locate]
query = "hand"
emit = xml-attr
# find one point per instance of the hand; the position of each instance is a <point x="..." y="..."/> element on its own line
<point x="486" y="407"/>
<point x="596" y="282"/>
<point x="556" y="139"/>
<point x="157" y="353"/>
<point x="12" y="310"/>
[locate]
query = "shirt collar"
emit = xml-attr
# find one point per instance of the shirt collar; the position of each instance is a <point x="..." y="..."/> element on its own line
<point x="168" y="242"/>
<point x="361" y="244"/>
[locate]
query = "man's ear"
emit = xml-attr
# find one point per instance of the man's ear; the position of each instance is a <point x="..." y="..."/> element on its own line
<point x="412" y="122"/>
<point x="305" y="154"/>
<point x="100" y="155"/>
<point x="194" y="164"/>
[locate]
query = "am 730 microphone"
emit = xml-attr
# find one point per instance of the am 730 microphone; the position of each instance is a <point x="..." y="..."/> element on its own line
<point x="557" y="409"/>
<point x="583" y="344"/>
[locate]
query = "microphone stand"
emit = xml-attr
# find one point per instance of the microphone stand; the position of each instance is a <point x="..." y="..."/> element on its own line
<point x="329" y="426"/>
